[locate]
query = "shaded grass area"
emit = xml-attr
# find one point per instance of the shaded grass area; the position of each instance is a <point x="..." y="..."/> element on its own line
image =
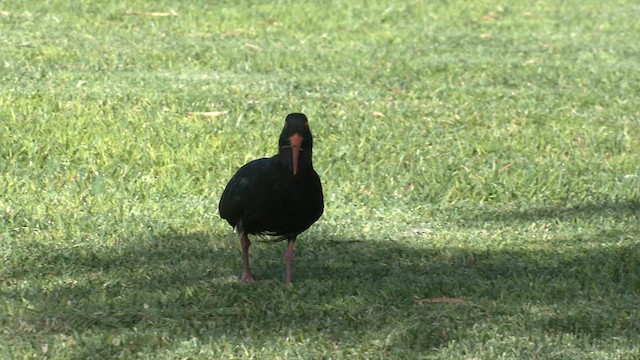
<point x="178" y="292"/>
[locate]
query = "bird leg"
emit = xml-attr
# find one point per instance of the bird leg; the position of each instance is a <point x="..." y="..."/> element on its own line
<point x="246" y="271"/>
<point x="289" y="259"/>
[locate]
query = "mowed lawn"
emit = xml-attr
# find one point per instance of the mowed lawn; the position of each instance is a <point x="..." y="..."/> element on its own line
<point x="480" y="162"/>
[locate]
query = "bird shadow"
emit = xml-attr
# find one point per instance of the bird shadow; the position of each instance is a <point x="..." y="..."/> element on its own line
<point x="187" y="282"/>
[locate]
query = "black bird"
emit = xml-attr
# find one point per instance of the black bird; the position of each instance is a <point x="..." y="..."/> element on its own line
<point x="279" y="196"/>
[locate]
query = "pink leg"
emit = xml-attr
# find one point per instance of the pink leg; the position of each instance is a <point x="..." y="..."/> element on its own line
<point x="289" y="259"/>
<point x="246" y="271"/>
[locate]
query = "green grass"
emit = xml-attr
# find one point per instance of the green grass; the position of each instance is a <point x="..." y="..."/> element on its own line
<point x="478" y="150"/>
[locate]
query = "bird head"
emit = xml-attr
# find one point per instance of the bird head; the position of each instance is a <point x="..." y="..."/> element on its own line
<point x="296" y="142"/>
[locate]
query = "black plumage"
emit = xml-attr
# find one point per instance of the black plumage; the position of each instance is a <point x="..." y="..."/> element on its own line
<point x="279" y="196"/>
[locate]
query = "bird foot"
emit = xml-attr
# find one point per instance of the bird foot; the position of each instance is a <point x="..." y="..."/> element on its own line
<point x="247" y="278"/>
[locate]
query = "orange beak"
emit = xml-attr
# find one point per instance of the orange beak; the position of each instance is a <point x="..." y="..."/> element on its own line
<point x="296" y="141"/>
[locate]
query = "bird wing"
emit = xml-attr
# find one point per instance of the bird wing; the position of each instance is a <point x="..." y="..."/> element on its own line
<point x="241" y="189"/>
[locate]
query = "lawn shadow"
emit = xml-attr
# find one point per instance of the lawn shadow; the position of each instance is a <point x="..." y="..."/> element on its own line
<point x="611" y="209"/>
<point x="345" y="290"/>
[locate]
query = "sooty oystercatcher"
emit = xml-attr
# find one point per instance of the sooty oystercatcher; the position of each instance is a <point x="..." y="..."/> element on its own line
<point x="279" y="196"/>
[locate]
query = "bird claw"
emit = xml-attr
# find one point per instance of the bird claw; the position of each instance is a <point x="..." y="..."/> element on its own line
<point x="247" y="278"/>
